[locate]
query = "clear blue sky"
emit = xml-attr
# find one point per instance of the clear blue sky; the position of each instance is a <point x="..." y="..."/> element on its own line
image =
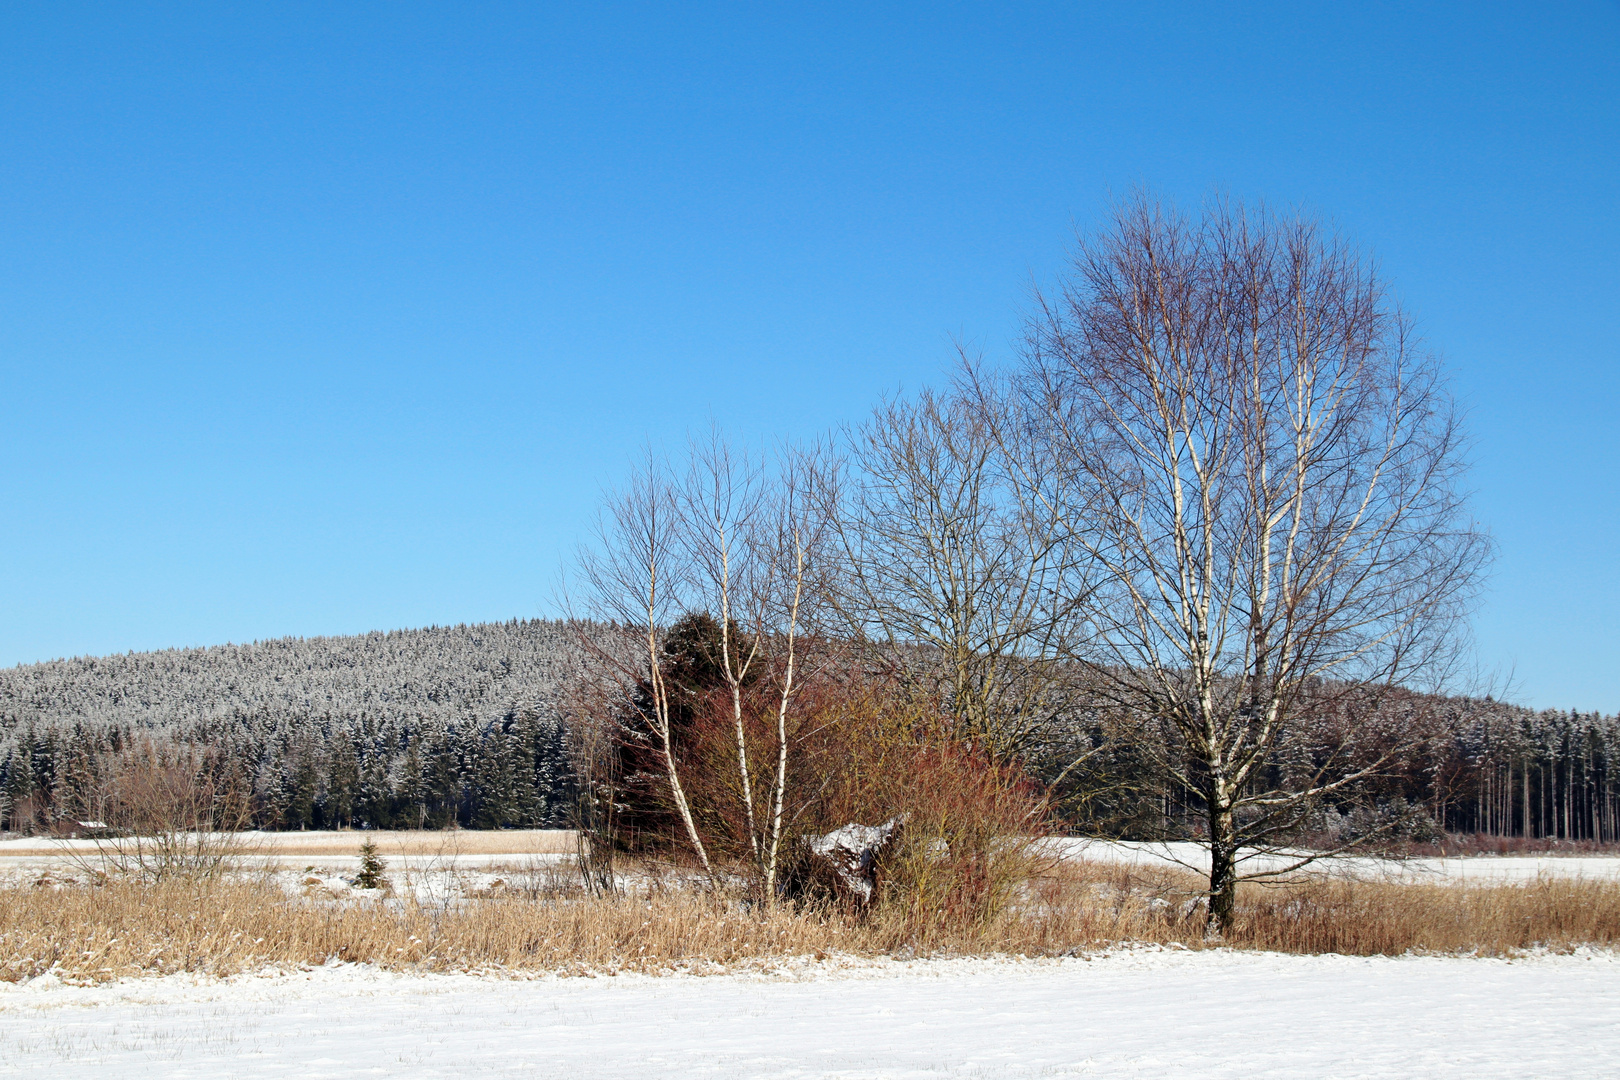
<point x="327" y="318"/>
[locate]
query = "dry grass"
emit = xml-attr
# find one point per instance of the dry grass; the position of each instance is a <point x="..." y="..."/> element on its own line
<point x="1372" y="918"/>
<point x="1385" y="919"/>
<point x="1482" y="844"/>
<point x="102" y="932"/>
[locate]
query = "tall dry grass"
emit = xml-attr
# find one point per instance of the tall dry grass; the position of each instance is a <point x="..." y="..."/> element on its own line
<point x="123" y="928"/>
<point x="1364" y="919"/>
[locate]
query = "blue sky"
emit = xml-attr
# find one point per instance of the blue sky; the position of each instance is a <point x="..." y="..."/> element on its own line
<point x="318" y="321"/>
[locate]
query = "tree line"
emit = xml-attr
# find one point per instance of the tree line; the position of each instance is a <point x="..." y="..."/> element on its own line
<point x="409" y="729"/>
<point x="1504" y="771"/>
<point x="474" y="734"/>
<point x="1474" y="768"/>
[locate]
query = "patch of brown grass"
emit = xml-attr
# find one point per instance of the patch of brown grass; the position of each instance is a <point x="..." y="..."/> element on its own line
<point x="1453" y="844"/>
<point x="123" y="928"/>
<point x="1369" y="919"/>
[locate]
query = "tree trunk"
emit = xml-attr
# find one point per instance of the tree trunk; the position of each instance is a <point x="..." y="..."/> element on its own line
<point x="1222" y="863"/>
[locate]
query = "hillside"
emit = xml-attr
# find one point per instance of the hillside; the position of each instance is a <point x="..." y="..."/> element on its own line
<point x="464" y="725"/>
<point x="409" y="727"/>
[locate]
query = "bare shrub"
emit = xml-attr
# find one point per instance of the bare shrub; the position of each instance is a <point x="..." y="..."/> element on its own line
<point x="172" y="810"/>
<point x="594" y="704"/>
<point x="972" y="823"/>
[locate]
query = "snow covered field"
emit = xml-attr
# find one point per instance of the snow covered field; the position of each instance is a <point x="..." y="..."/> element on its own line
<point x="1476" y="869"/>
<point x="1133" y="1012"/>
<point x="458" y="848"/>
<point x="431" y="863"/>
<point x="1145" y="1013"/>
<point x="500" y="852"/>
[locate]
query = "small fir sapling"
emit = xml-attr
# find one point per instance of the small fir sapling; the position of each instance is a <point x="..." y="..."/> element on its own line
<point x="373" y="870"/>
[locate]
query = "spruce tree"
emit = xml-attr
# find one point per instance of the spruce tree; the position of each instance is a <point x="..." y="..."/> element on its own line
<point x="373" y="870"/>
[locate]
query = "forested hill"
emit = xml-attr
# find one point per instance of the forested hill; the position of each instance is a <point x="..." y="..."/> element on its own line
<point x="463" y="724"/>
<point x="398" y="728"/>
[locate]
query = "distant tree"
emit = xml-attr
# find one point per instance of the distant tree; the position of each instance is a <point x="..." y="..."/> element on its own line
<point x="342" y="784"/>
<point x="373" y="869"/>
<point x="965" y="586"/>
<point x="413" y="792"/>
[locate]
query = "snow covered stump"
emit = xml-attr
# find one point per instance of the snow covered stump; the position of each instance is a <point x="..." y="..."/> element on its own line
<point x="845" y="865"/>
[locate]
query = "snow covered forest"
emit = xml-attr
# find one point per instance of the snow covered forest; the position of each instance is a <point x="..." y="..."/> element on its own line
<point x="466" y="725"/>
<point x="1508" y="771"/>
<point x="1482" y="768"/>
<point x="408" y="729"/>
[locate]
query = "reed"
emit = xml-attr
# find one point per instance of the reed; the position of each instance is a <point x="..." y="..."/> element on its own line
<point x="122" y="928"/>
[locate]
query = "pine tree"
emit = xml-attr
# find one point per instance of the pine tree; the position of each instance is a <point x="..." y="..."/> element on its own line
<point x="373" y="870"/>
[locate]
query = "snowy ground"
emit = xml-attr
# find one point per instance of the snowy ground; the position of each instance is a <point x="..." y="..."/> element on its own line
<point x="432" y="864"/>
<point x="334" y="851"/>
<point x="1141" y="1012"/>
<point x="441" y="867"/>
<point x="1144" y="1013"/>
<point x="1483" y="869"/>
<point x="501" y="854"/>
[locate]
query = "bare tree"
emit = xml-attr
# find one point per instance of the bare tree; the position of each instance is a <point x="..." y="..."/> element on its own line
<point x="723" y="504"/>
<point x="966" y="587"/>
<point x="751" y="541"/>
<point x="734" y="536"/>
<point x="594" y="704"/>
<point x="792" y="547"/>
<point x="633" y="580"/>
<point x="169" y="810"/>
<point x="1262" y="468"/>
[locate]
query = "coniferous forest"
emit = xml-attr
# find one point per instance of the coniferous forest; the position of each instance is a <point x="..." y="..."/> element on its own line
<point x="409" y="729"/>
<point x="467" y="726"/>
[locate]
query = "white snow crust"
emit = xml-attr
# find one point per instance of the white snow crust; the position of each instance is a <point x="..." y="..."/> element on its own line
<point x="1475" y="869"/>
<point x="1133" y="1013"/>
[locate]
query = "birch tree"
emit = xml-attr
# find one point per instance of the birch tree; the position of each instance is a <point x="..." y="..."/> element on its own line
<point x="1262" y="468"/>
<point x="731" y="536"/>
<point x="966" y="587"/>
<point x="750" y="539"/>
<point x="634" y="578"/>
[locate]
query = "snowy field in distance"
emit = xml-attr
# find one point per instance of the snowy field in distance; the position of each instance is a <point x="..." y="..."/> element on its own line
<point x="502" y="850"/>
<point x="1147" y="1013"/>
<point x="1476" y="869"/>
<point x="333" y="850"/>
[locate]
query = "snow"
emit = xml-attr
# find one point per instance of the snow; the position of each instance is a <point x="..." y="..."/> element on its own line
<point x="504" y="853"/>
<point x="851" y="850"/>
<point x="1140" y="1012"/>
<point x="476" y="858"/>
<point x="1477" y="868"/>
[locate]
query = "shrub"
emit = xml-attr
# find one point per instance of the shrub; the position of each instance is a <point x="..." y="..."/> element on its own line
<point x="173" y="811"/>
<point x="863" y="748"/>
